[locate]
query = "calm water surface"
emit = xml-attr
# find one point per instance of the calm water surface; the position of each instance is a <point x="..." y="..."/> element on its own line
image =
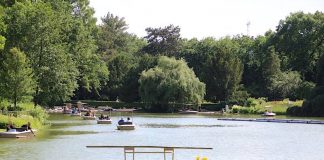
<point x="67" y="137"/>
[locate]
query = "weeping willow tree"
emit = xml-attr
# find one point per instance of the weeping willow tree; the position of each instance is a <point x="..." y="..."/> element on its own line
<point x="170" y="82"/>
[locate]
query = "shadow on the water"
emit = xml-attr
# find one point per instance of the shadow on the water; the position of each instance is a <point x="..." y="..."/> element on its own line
<point x="184" y="126"/>
<point x="55" y="133"/>
<point x="63" y="125"/>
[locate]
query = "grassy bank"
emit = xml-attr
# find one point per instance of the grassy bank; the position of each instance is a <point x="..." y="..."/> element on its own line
<point x="26" y="112"/>
<point x="259" y="106"/>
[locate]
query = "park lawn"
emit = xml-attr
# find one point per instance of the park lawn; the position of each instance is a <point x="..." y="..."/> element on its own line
<point x="280" y="107"/>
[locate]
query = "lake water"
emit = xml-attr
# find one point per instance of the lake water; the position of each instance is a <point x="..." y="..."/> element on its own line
<point x="68" y="137"/>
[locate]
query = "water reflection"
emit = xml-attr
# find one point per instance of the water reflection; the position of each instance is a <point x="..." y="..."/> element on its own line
<point x="184" y="126"/>
<point x="67" y="137"/>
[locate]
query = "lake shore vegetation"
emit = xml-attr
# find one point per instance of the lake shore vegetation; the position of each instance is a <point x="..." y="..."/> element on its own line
<point x="53" y="51"/>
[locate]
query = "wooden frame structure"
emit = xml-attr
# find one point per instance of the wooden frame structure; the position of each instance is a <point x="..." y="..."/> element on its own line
<point x="133" y="150"/>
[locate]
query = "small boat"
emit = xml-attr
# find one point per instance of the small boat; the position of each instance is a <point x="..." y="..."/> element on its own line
<point x="15" y="134"/>
<point x="104" y="121"/>
<point x="89" y="117"/>
<point x="128" y="125"/>
<point x="268" y="114"/>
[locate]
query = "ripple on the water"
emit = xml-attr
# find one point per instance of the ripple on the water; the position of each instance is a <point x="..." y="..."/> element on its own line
<point x="184" y="126"/>
<point x="62" y="132"/>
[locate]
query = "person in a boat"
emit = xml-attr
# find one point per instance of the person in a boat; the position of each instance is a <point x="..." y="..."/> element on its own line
<point x="128" y="121"/>
<point x="87" y="114"/>
<point x="10" y="127"/>
<point x="102" y="116"/>
<point x="107" y="117"/>
<point x="26" y="127"/>
<point x="121" y="121"/>
<point x="74" y="111"/>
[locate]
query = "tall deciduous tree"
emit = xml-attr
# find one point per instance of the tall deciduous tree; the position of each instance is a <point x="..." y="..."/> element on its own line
<point x="38" y="30"/>
<point x="217" y="64"/>
<point x="129" y="91"/>
<point x="112" y="35"/>
<point x="171" y="81"/>
<point x="119" y="66"/>
<point x="163" y="41"/>
<point x="81" y="37"/>
<point x="17" y="79"/>
<point x="300" y="38"/>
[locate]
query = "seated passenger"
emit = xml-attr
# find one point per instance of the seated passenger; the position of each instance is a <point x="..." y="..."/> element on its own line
<point x="128" y="121"/>
<point x="87" y="114"/>
<point x="27" y="126"/>
<point x="102" y="117"/>
<point x="10" y="127"/>
<point x="121" y="121"/>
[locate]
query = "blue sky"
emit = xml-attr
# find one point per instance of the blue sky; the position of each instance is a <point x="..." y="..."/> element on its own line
<point x="204" y="18"/>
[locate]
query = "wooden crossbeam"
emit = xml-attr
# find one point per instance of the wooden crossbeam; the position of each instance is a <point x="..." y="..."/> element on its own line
<point x="174" y="147"/>
<point x="166" y="149"/>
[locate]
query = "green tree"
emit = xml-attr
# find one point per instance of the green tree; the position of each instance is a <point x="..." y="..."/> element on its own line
<point x="171" y="81"/>
<point x="119" y="66"/>
<point x="129" y="91"/>
<point x="81" y="31"/>
<point x="38" y="30"/>
<point x="112" y="35"/>
<point x="284" y="84"/>
<point x="113" y="38"/>
<point x="320" y="71"/>
<point x="18" y="82"/>
<point x="299" y="39"/>
<point x="163" y="41"/>
<point x="217" y="64"/>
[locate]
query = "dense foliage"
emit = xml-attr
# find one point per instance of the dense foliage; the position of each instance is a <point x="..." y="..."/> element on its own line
<point x="70" y="56"/>
<point x="171" y="81"/>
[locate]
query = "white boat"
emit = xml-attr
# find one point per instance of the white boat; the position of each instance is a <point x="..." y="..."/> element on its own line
<point x="104" y="121"/>
<point x="15" y="134"/>
<point x="89" y="117"/>
<point x="268" y="114"/>
<point x="129" y="124"/>
<point x="126" y="127"/>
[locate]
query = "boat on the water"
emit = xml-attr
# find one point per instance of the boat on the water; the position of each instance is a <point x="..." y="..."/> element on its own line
<point x="128" y="124"/>
<point x="268" y="114"/>
<point x="104" y="119"/>
<point x="16" y="134"/>
<point x="126" y="127"/>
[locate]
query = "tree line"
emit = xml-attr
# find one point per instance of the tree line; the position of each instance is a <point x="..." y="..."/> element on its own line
<point x="53" y="50"/>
